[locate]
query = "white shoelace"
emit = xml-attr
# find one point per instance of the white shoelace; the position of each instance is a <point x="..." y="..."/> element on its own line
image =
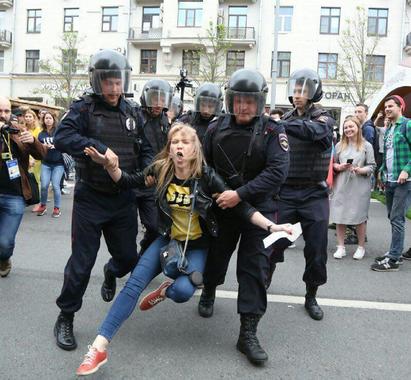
<point x="90" y="356"/>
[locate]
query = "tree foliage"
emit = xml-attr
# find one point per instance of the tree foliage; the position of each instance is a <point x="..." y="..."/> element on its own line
<point x="65" y="71"/>
<point x="354" y="69"/>
<point x="213" y="53"/>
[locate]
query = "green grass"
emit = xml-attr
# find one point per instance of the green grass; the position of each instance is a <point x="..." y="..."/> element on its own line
<point x="381" y="197"/>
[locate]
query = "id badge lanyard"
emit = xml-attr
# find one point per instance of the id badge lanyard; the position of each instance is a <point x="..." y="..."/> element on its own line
<point x="12" y="164"/>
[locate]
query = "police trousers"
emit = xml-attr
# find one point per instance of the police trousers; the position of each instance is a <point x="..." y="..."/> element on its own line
<point x="252" y="261"/>
<point x="147" y="210"/>
<point x="96" y="213"/>
<point x="310" y="206"/>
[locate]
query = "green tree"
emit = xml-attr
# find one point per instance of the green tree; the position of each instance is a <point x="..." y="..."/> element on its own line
<point x="213" y="53"/>
<point x="65" y="71"/>
<point x="356" y="68"/>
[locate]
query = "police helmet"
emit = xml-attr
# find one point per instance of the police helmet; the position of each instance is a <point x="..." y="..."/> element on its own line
<point x="156" y="92"/>
<point x="208" y="99"/>
<point x="308" y="83"/>
<point x="243" y="85"/>
<point x="176" y="106"/>
<point x="107" y="64"/>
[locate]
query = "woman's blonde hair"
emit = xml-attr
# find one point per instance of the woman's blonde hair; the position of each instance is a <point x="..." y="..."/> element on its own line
<point x="163" y="162"/>
<point x="36" y="123"/>
<point x="344" y="139"/>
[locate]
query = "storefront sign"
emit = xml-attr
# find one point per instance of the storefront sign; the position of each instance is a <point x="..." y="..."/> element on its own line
<point x="343" y="96"/>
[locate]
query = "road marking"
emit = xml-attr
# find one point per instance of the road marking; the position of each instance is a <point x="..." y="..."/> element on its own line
<point x="355" y="304"/>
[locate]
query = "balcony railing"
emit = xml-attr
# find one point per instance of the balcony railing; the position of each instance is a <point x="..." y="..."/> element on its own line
<point x="6" y="4"/>
<point x="242" y="33"/>
<point x="5" y="38"/>
<point x="151" y="34"/>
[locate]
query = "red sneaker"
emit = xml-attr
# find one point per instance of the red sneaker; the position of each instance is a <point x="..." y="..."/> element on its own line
<point x="41" y="210"/>
<point x="93" y="360"/>
<point x="154" y="297"/>
<point x="36" y="208"/>
<point x="56" y="212"/>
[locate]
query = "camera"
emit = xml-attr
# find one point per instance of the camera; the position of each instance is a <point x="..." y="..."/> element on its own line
<point x="9" y="128"/>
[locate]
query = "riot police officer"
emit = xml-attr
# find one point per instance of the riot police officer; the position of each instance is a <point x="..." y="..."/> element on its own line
<point x="208" y="102"/>
<point x="251" y="152"/>
<point x="155" y="100"/>
<point x="304" y="195"/>
<point x="105" y="120"/>
<point x="175" y="110"/>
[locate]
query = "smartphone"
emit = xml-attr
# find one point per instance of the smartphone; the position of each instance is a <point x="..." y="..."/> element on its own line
<point x="350" y="161"/>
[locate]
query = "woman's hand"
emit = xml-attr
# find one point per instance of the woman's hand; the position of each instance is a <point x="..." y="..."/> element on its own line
<point x="342" y="167"/>
<point x="96" y="156"/>
<point x="359" y="171"/>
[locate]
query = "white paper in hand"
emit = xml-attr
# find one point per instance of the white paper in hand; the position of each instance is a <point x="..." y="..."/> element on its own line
<point x="271" y="239"/>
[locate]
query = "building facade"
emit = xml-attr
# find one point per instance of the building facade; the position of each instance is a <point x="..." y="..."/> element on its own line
<point x="160" y="37"/>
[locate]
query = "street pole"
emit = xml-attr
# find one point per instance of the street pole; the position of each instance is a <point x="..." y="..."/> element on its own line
<point x="275" y="50"/>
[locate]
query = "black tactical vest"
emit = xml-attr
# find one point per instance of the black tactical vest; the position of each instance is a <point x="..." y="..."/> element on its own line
<point x="119" y="132"/>
<point x="156" y="130"/>
<point x="238" y="152"/>
<point x="307" y="162"/>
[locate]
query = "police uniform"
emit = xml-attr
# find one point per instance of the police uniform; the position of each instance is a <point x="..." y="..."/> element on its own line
<point x="253" y="159"/>
<point x="99" y="206"/>
<point x="304" y="195"/>
<point x="155" y="131"/>
<point x="199" y="123"/>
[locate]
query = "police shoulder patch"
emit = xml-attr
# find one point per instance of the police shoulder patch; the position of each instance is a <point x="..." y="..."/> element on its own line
<point x="283" y="141"/>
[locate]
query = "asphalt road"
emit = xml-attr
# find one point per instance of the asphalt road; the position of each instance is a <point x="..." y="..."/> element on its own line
<point x="368" y="339"/>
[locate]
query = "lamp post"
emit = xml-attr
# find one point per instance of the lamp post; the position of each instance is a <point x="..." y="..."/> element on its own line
<point x="275" y="50"/>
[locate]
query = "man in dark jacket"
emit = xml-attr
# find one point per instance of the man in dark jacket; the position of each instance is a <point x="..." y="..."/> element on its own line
<point x="106" y="121"/>
<point x="250" y="152"/>
<point x="304" y="195"/>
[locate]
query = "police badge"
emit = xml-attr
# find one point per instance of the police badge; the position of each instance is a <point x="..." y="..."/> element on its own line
<point x="130" y="124"/>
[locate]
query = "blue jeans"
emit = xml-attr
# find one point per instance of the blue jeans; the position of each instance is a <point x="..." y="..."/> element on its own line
<point x="11" y="214"/>
<point x="398" y="199"/>
<point x="51" y="173"/>
<point x="147" y="268"/>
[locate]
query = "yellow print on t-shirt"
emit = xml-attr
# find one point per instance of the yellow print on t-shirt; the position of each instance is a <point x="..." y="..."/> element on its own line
<point x="179" y="200"/>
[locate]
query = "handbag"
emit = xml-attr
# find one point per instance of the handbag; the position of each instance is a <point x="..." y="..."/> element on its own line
<point x="172" y="257"/>
<point x="35" y="194"/>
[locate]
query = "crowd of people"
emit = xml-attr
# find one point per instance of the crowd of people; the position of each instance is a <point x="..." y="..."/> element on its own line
<point x="202" y="182"/>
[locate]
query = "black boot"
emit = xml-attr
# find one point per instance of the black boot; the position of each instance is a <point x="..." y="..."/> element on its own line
<point x="108" y="289"/>
<point x="248" y="343"/>
<point x="63" y="331"/>
<point x="206" y="303"/>
<point x="311" y="304"/>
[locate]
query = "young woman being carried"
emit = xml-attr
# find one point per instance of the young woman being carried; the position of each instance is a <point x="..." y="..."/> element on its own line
<point x="178" y="167"/>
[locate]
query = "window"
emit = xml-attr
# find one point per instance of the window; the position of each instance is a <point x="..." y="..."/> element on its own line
<point x="237" y="22"/>
<point x="191" y="61"/>
<point x="330" y="20"/>
<point x="190" y="13"/>
<point x="235" y="61"/>
<point x="375" y="68"/>
<point x="71" y="17"/>
<point x="69" y="57"/>
<point x="151" y="18"/>
<point x="32" y="61"/>
<point x="148" y="61"/>
<point x="33" y="20"/>
<point x="283" y="64"/>
<point x="327" y="65"/>
<point x="109" y="21"/>
<point x="286" y="18"/>
<point x="377" y="22"/>
<point x="1" y="61"/>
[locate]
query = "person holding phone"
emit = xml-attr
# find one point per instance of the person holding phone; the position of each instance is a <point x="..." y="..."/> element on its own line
<point x="354" y="163"/>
